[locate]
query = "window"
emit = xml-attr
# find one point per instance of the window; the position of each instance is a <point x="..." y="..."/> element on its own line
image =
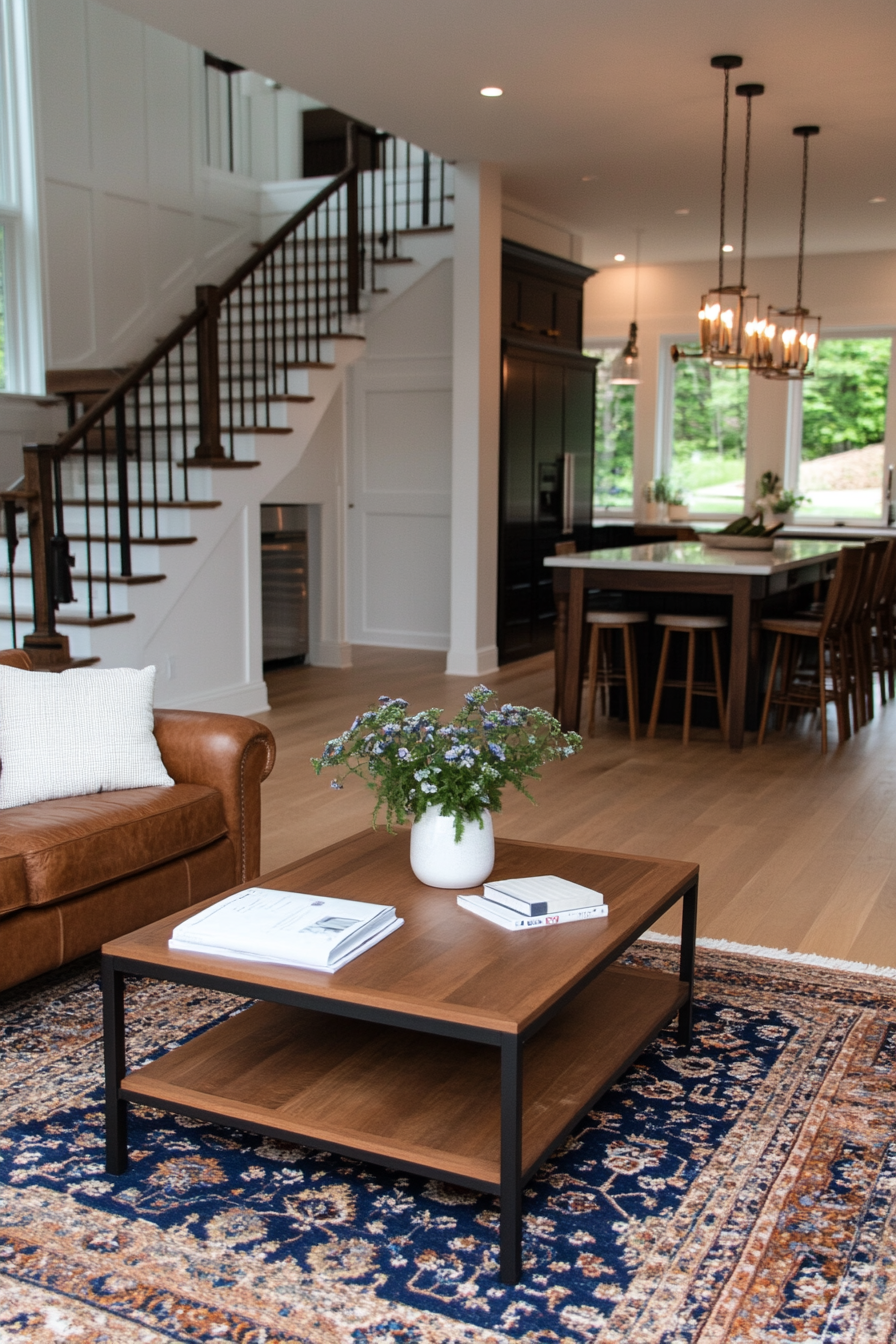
<point x="839" y="421"/>
<point x="21" y="334"/>
<point x="614" y="436"/>
<point x="702" y="430"/>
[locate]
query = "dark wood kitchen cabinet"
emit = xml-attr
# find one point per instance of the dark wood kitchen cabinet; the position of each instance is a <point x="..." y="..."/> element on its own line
<point x="547" y="443"/>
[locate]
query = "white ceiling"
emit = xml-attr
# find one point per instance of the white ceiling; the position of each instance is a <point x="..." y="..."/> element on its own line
<point x="622" y="93"/>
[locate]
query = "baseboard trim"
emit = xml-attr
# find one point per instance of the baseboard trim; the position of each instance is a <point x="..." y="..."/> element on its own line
<point x="247" y="699"/>
<point x="779" y="954"/>
<point x="330" y="653"/>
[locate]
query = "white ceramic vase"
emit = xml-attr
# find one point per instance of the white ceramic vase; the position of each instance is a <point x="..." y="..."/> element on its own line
<point x="438" y="860"/>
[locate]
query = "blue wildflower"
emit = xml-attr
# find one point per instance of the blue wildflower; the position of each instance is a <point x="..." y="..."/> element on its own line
<point x="428" y="788"/>
<point x="403" y="754"/>
<point x="497" y="750"/>
<point x="334" y="784"/>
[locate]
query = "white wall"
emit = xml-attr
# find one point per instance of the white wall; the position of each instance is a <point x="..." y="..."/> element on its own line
<point x="533" y="228"/>
<point x="25" y="420"/>
<point x="850" y="290"/>
<point x="132" y="218"/>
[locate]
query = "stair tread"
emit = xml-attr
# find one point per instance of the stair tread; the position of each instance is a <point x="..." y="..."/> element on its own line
<point x="146" y="504"/>
<point x="217" y="462"/>
<point x="63" y="618"/>
<point x="129" y="579"/>
<point x="308" y="364"/>
<point x="135" y="541"/>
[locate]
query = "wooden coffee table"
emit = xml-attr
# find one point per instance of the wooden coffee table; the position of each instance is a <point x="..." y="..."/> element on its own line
<point x="453" y="1049"/>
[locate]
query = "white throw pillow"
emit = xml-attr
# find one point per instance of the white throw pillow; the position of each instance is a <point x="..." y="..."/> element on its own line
<point x="86" y="730"/>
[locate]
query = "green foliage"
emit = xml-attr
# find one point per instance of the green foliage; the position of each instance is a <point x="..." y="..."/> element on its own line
<point x="845" y="404"/>
<point x="710" y="413"/>
<point x="709" y="431"/>
<point x="413" y="761"/>
<point x="614" y="439"/>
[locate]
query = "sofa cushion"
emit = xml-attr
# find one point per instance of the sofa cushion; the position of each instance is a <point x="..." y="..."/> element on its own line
<point x="71" y="845"/>
<point x="13" y="884"/>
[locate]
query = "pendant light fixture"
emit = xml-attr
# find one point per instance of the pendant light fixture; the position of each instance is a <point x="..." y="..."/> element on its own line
<point x="788" y="339"/>
<point x="626" y="367"/>
<point x="729" y="316"/>
<point x="727" y="311"/>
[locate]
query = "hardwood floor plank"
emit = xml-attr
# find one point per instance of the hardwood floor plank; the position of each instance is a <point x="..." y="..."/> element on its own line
<point x="796" y="850"/>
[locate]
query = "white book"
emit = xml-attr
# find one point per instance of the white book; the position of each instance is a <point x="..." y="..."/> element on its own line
<point x="542" y="895"/>
<point x="311" y="932"/>
<point x="510" y="919"/>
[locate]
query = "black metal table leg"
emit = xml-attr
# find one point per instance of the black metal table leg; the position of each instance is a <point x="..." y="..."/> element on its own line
<point x="114" y="1060"/>
<point x="511" y="1159"/>
<point x="686" y="964"/>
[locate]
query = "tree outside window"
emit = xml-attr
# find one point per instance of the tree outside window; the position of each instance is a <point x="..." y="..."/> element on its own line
<point x="614" y="436"/>
<point x="709" y="435"/>
<point x="844" y="409"/>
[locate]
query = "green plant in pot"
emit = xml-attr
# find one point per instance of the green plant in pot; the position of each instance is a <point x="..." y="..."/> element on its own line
<point x="446" y="777"/>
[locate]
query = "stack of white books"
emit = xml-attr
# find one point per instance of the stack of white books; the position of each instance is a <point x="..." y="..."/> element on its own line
<point x="533" y="902"/>
<point x="319" y="933"/>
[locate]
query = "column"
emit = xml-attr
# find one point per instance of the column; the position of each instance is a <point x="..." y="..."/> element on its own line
<point x="476" y="419"/>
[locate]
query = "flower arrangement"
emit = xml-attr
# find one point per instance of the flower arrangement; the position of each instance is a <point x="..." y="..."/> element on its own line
<point x="412" y="761"/>
<point x="773" y="497"/>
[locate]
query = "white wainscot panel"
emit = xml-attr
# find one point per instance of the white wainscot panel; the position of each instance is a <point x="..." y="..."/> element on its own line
<point x="406" y="589"/>
<point x="173" y="243"/>
<point x="117" y="96"/>
<point x="61" y="50"/>
<point x="201" y="649"/>
<point x="69" y="235"/>
<point x="217" y="235"/>
<point x="407" y="443"/>
<point x="122" y="260"/>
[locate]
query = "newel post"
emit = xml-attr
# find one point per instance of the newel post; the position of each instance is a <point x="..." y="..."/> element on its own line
<point x="210" y="445"/>
<point x="47" y="648"/>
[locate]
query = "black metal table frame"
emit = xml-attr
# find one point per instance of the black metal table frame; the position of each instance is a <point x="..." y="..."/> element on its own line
<point x="512" y="1179"/>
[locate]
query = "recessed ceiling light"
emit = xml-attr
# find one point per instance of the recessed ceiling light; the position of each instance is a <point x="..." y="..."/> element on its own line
<point x="728" y="247"/>
<point x="683" y="211"/>
<point x="620" y="256"/>
<point x="877" y="200"/>
<point x="491" y="91"/>
<point x="589" y="177"/>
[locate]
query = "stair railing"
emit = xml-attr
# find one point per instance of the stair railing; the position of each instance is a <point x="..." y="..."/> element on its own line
<point x="218" y="374"/>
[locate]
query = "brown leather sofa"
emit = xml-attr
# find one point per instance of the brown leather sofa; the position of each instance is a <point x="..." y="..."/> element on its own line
<point x="75" y="872"/>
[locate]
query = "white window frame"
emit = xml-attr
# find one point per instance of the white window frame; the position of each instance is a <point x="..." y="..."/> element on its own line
<point x="610" y="511"/>
<point x="794" y="445"/>
<point x="665" y="416"/>
<point x="25" y="367"/>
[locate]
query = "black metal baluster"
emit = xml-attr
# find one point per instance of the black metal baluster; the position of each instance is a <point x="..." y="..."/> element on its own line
<point x="124" y="508"/>
<point x="441" y="193"/>
<point x="169" y="443"/>
<point x="424" y="197"/>
<point x="153" y="456"/>
<point x="183" y="415"/>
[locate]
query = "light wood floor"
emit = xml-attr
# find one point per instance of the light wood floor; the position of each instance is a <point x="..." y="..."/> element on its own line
<point x="796" y="850"/>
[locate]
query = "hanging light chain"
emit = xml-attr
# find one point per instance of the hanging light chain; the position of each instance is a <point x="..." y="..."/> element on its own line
<point x="724" y="181"/>
<point x="743" y="220"/>
<point x="799" y="266"/>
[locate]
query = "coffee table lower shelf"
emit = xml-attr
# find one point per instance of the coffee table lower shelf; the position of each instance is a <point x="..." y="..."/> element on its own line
<point x="423" y="1103"/>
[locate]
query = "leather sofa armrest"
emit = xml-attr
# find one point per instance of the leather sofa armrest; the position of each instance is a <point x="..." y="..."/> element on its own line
<point x="227" y="753"/>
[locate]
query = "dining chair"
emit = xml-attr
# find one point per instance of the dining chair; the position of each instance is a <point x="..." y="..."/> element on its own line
<point x="883" y="627"/>
<point x="861" y="626"/>
<point x="805" y="685"/>
<point x="690" y="626"/>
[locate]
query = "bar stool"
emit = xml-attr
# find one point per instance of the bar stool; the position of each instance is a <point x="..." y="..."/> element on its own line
<point x="603" y="673"/>
<point x="690" y="626"/>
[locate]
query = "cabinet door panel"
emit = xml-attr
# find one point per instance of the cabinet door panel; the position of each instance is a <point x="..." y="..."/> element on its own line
<point x="578" y="437"/>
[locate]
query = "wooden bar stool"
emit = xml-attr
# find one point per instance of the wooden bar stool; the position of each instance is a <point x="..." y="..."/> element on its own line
<point x="690" y="626"/>
<point x="601" y="669"/>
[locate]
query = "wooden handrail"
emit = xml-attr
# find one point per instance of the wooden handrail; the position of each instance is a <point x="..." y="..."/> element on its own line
<point x="76" y="433"/>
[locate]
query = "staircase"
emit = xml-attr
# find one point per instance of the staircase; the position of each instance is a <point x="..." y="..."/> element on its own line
<point x="126" y="513"/>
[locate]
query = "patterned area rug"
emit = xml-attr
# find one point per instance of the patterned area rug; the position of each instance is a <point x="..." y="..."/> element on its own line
<point x="743" y="1192"/>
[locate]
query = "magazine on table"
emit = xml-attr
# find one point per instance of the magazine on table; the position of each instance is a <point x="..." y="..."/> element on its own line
<point x="535" y="902"/>
<point x="319" y="933"/>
